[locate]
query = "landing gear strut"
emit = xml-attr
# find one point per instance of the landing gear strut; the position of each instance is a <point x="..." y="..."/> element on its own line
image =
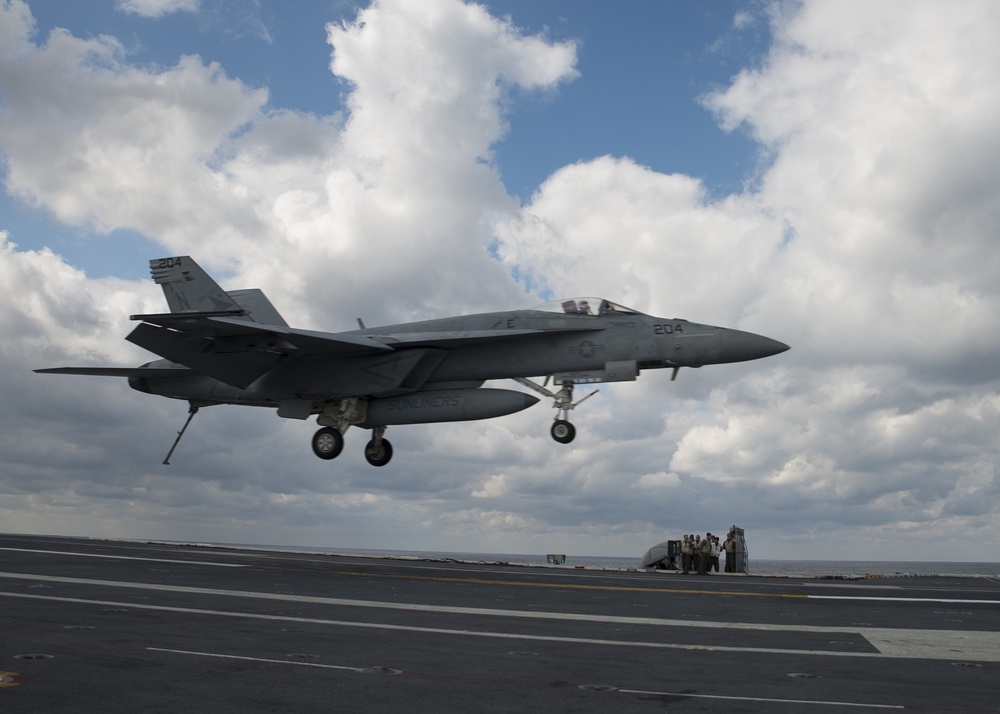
<point x="562" y="430"/>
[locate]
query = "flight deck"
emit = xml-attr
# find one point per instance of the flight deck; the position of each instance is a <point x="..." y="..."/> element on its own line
<point x="119" y="626"/>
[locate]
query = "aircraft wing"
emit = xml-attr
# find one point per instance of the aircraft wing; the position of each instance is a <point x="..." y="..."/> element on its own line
<point x="453" y="338"/>
<point x="117" y="371"/>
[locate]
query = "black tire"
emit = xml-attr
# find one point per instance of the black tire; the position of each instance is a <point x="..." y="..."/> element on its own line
<point x="562" y="431"/>
<point x="378" y="454"/>
<point x="327" y="443"/>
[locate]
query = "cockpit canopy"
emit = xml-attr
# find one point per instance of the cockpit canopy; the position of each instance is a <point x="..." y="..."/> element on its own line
<point x="586" y="306"/>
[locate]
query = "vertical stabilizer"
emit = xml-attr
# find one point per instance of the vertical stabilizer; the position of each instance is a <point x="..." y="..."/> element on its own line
<point x="187" y="287"/>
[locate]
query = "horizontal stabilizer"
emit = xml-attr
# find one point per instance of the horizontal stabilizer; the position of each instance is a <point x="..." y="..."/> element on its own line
<point x="118" y="371"/>
<point x="194" y="351"/>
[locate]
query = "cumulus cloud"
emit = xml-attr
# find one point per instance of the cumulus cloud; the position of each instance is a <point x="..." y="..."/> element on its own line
<point x="355" y="211"/>
<point x="865" y="242"/>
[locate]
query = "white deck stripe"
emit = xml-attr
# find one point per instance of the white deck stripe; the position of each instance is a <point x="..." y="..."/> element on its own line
<point x="265" y="660"/>
<point x="769" y="700"/>
<point x="890" y="642"/>
<point x="441" y="630"/>
<point x="126" y="557"/>
<point x="684" y="695"/>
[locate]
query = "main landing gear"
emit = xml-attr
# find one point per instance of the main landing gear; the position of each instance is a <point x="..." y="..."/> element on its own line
<point x="562" y="430"/>
<point x="378" y="451"/>
<point x="328" y="442"/>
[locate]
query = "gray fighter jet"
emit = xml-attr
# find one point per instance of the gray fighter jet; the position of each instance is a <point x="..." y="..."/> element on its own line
<point x="233" y="347"/>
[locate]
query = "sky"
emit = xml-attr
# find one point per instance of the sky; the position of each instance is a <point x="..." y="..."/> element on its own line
<point x="826" y="173"/>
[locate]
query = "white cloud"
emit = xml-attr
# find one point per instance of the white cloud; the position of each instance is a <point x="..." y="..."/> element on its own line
<point x="156" y="8"/>
<point x="867" y="244"/>
<point x="652" y="241"/>
<point x="356" y="213"/>
<point x="98" y="142"/>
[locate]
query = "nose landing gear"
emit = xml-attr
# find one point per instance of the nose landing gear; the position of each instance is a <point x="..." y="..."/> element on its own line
<point x="562" y="430"/>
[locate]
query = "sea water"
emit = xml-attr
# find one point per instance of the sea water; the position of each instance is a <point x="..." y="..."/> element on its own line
<point x="774" y="568"/>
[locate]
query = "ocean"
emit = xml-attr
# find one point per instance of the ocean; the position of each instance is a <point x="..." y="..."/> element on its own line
<point x="773" y="568"/>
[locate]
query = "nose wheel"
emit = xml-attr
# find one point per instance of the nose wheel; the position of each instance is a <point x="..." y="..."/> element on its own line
<point x="562" y="431"/>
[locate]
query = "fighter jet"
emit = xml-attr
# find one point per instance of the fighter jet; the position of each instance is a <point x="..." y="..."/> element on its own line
<point x="234" y="347"/>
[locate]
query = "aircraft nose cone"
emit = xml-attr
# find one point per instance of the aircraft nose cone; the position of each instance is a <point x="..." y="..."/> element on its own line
<point x="739" y="346"/>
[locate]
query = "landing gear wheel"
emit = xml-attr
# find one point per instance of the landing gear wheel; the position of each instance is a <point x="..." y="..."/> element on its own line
<point x="378" y="453"/>
<point x="327" y="443"/>
<point x="562" y="431"/>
